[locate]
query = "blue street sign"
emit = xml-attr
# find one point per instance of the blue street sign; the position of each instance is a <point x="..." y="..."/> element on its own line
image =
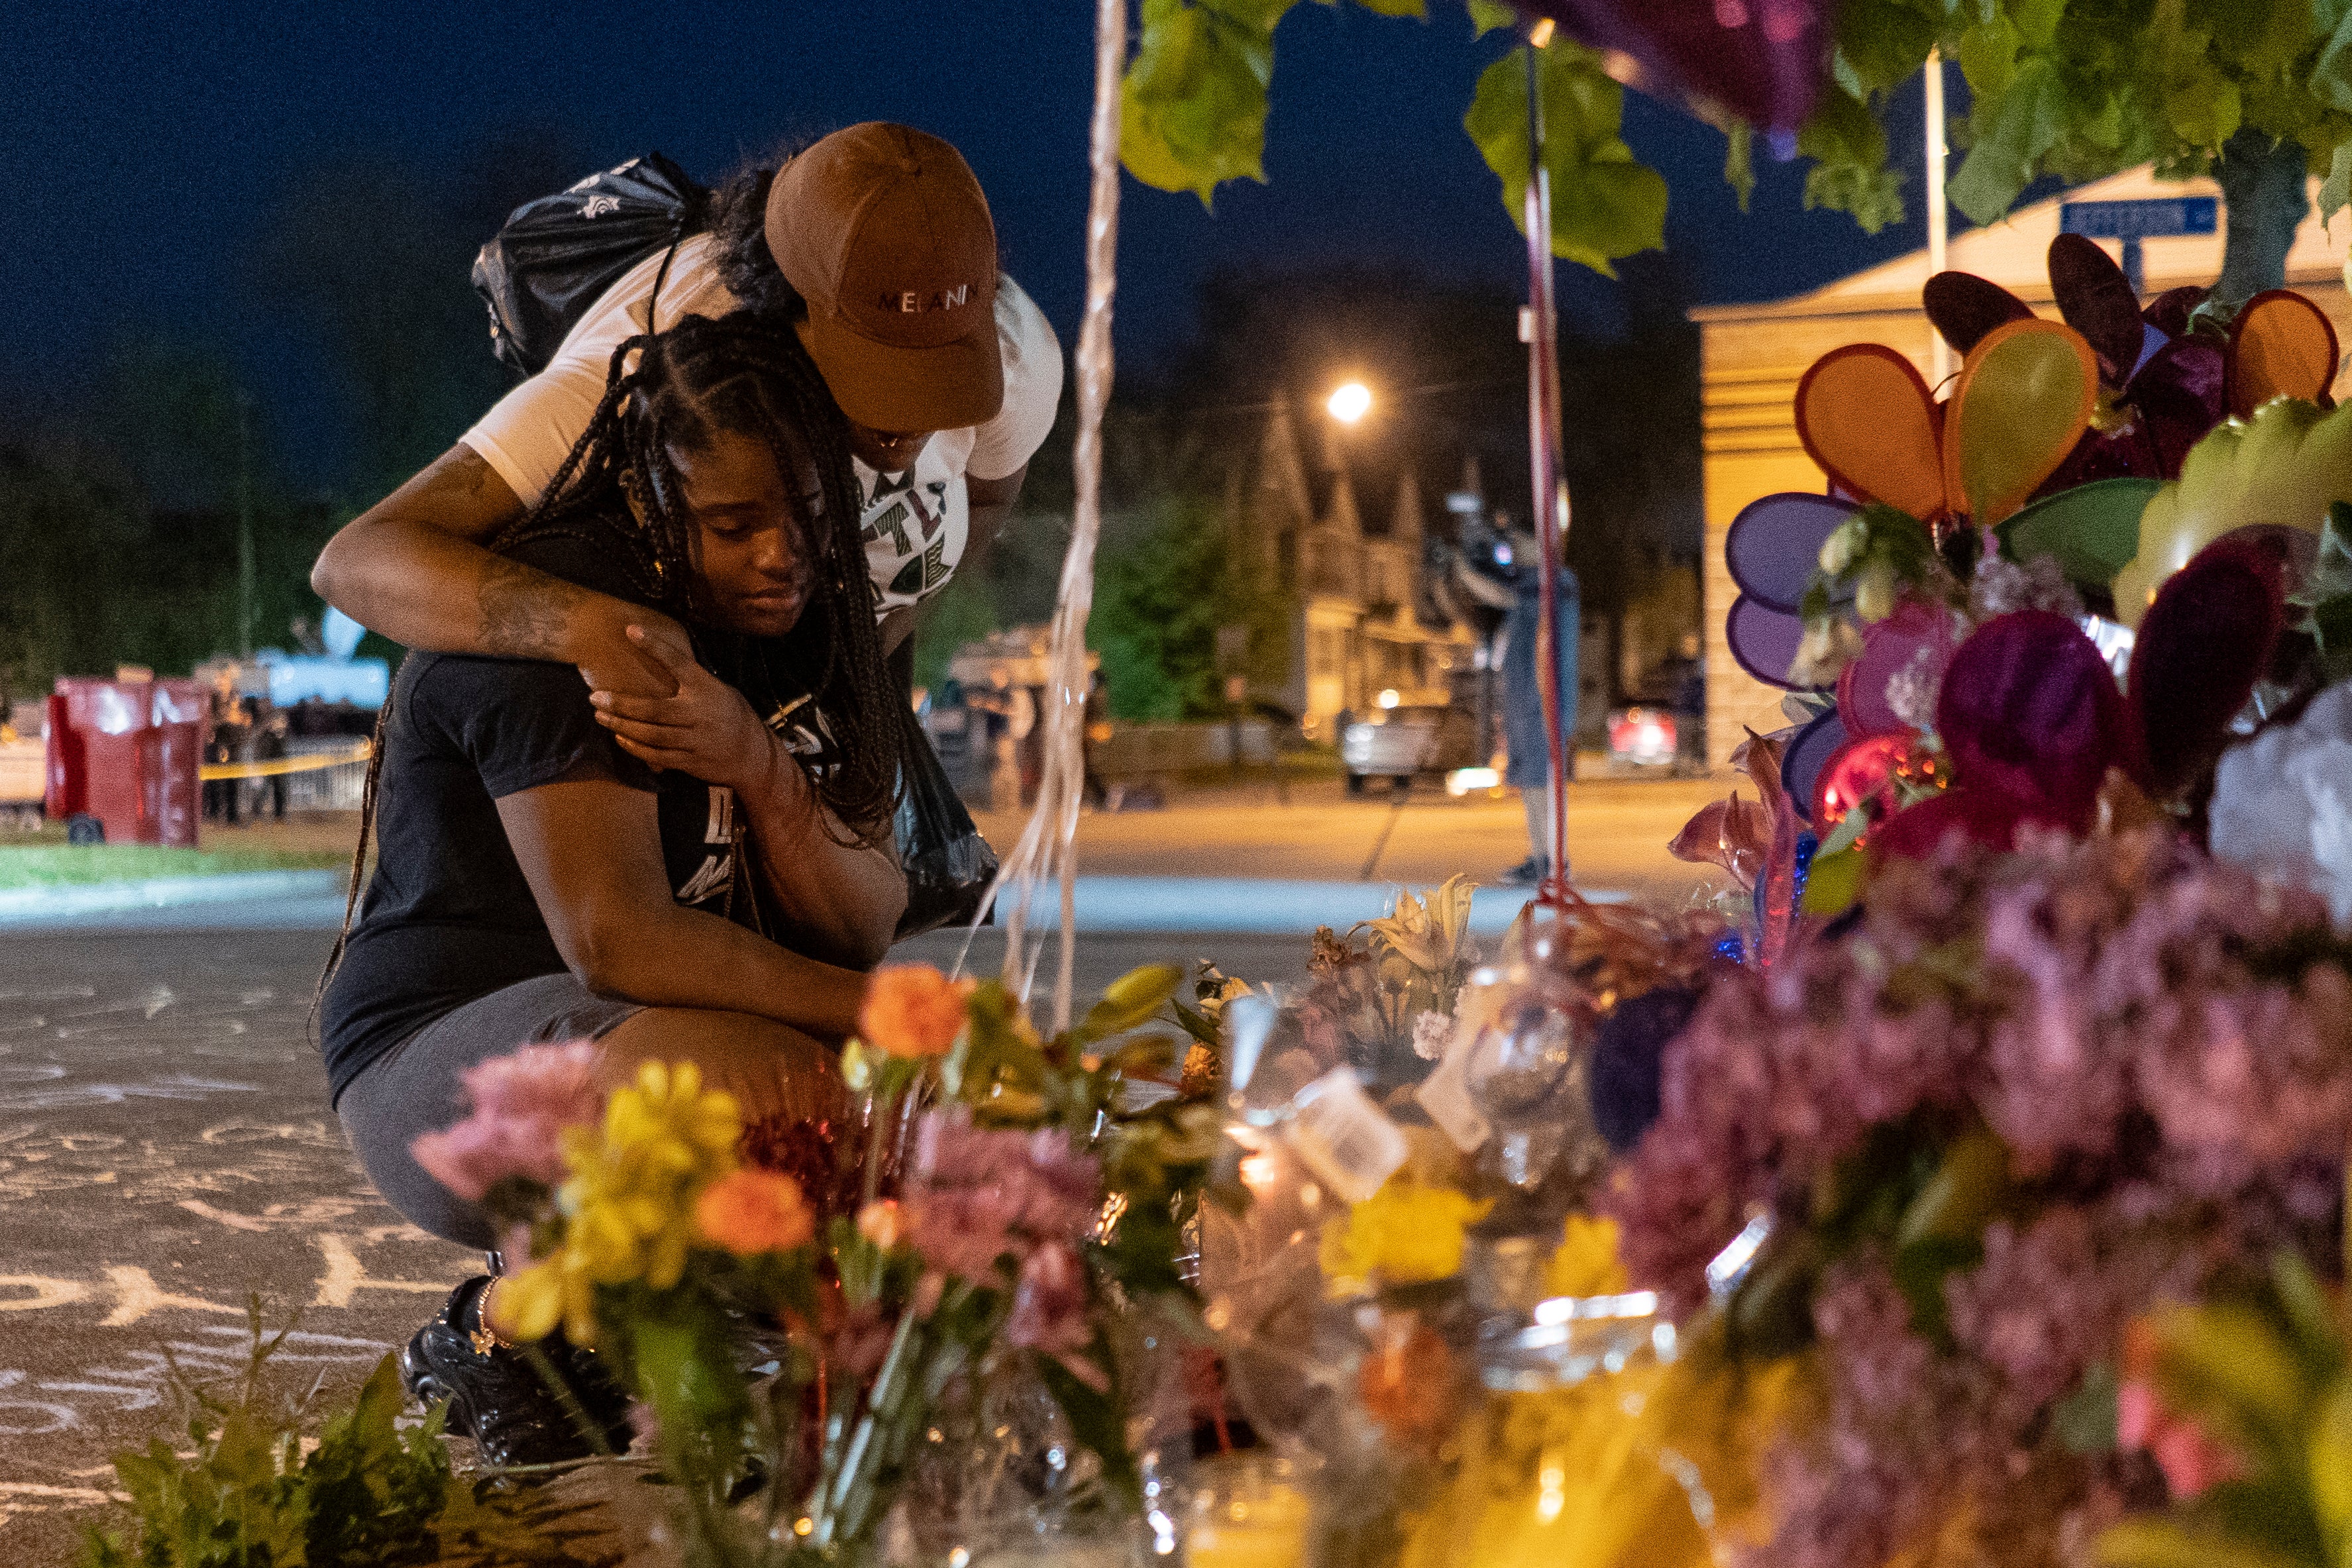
<point x="2152" y="219"/>
<point x="2132" y="222"/>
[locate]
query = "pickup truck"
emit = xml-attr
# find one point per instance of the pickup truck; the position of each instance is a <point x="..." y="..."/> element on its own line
<point x="1401" y="743"/>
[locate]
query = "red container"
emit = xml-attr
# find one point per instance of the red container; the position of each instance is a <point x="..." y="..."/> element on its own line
<point x="172" y="794"/>
<point x="65" y="770"/>
<point x="126" y="752"/>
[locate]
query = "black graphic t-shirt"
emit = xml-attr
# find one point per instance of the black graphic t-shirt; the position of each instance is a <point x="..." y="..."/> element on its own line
<point x="448" y="916"/>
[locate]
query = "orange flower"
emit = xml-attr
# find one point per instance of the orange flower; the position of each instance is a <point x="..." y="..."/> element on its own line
<point x="912" y="1009"/>
<point x="754" y="1211"/>
<point x="1406" y="1381"/>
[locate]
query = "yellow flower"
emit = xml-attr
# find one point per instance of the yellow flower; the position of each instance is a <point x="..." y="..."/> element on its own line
<point x="1426" y="931"/>
<point x="528" y="1305"/>
<point x="629" y="1204"/>
<point x="1586" y="1262"/>
<point x="1404" y="1234"/>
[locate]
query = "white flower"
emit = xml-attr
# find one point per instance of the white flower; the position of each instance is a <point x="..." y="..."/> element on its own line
<point x="1843" y="548"/>
<point x="1431" y="1031"/>
<point x="2283" y="802"/>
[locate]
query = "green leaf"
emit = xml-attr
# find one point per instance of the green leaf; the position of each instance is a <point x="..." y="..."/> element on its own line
<point x="1605" y="204"/>
<point x="2037" y="21"/>
<point x="1098" y="1419"/>
<point x="2329" y="1462"/>
<point x="2331" y="71"/>
<point x="2160" y="1543"/>
<point x="1919" y="1272"/>
<point x="1193" y="107"/>
<point x="1132" y="999"/>
<point x="1739" y="160"/>
<point x="1880" y="45"/>
<point x="1417" y="9"/>
<point x="2090" y="530"/>
<point x="1987" y="56"/>
<point x="2084" y="1421"/>
<point x="1486" y="15"/>
<point x="2336" y="190"/>
<point x="1849" y="172"/>
<point x="1837" y="878"/>
<point x="1960" y="1199"/>
<point x="2204" y="109"/>
<point x="2012" y="131"/>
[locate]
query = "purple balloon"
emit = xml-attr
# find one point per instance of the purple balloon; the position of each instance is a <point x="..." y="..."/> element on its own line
<point x="1889" y="647"/>
<point x="1773" y="543"/>
<point x="1764" y="60"/>
<point x="1764" y="640"/>
<point x="1808" y="752"/>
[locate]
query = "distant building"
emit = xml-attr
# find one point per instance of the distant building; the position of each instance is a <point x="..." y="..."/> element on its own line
<point x="1752" y="356"/>
<point x="1349" y="566"/>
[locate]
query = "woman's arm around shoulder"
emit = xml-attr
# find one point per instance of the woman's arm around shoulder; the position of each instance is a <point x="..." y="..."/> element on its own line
<point x="415" y="568"/>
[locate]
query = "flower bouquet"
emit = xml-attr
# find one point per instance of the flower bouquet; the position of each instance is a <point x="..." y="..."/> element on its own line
<point x="1414" y="1306"/>
<point x="798" y="1369"/>
<point x="1917" y="1180"/>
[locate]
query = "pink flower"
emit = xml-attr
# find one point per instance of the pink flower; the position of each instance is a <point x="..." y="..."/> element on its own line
<point x="981" y="1193"/>
<point x="522" y="1104"/>
<point x="552" y="1083"/>
<point x="1049" y="1311"/>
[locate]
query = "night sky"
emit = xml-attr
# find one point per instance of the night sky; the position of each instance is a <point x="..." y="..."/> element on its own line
<point x="145" y="144"/>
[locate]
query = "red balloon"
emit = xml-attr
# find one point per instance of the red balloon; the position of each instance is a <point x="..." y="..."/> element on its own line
<point x="1857" y="773"/>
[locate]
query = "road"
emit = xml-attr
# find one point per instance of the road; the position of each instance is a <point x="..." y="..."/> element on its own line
<point x="166" y="1150"/>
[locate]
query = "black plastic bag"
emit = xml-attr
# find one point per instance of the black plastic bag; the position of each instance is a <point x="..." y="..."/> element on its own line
<point x="557" y="256"/>
<point x="948" y="865"/>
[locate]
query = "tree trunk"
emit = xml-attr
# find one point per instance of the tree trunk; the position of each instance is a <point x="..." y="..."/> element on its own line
<point x="2264" y="194"/>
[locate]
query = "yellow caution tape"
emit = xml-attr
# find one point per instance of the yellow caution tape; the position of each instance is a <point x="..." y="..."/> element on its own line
<point x="284" y="765"/>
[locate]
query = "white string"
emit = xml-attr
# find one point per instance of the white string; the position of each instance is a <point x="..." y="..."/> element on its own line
<point x="1048" y="846"/>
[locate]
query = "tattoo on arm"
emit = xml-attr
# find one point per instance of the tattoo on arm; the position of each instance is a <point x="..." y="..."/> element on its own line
<point x="526" y="613"/>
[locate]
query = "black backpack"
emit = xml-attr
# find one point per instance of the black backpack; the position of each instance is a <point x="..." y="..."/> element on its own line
<point x="557" y="256"/>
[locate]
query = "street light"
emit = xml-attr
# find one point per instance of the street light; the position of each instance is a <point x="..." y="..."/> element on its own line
<point x="1350" y="402"/>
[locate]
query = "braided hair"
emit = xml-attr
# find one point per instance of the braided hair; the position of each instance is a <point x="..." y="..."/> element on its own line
<point x="745" y="374"/>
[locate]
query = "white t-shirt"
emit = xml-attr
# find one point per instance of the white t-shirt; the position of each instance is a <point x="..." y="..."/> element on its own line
<point x="916" y="523"/>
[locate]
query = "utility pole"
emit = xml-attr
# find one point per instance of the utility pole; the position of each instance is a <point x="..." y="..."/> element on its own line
<point x="244" y="526"/>
<point x="1550" y="490"/>
<point x="1939" y="213"/>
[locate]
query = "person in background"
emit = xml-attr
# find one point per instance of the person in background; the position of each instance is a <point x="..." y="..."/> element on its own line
<point x="1097" y="730"/>
<point x="267" y="724"/>
<point x="225" y="734"/>
<point x="1525" y="735"/>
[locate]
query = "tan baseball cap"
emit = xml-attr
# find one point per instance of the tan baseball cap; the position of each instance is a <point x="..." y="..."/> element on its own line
<point x="885" y="232"/>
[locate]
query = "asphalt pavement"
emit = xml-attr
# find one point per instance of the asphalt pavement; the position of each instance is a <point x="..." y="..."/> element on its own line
<point x="167" y="1156"/>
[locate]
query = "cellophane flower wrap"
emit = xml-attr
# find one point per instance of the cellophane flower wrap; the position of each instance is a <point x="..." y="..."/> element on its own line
<point x="1040" y="1208"/>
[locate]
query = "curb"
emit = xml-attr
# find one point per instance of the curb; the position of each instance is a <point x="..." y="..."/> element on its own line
<point x="1175" y="904"/>
<point x="1139" y="905"/>
<point x="32" y="905"/>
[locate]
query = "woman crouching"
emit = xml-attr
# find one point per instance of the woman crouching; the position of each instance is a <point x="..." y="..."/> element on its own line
<point x="703" y="877"/>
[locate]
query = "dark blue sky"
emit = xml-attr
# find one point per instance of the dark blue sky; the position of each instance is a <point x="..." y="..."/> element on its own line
<point x="144" y="144"/>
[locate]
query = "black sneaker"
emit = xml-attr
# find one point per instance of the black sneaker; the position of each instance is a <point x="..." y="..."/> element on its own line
<point x="499" y="1398"/>
<point x="1527" y="872"/>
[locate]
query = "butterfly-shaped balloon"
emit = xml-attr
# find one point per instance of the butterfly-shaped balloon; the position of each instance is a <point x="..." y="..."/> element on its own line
<point x="1866" y="416"/>
<point x="2023" y="397"/>
<point x="2166" y="387"/>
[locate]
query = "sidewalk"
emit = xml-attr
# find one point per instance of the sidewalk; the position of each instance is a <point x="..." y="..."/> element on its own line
<point x="1233" y="858"/>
